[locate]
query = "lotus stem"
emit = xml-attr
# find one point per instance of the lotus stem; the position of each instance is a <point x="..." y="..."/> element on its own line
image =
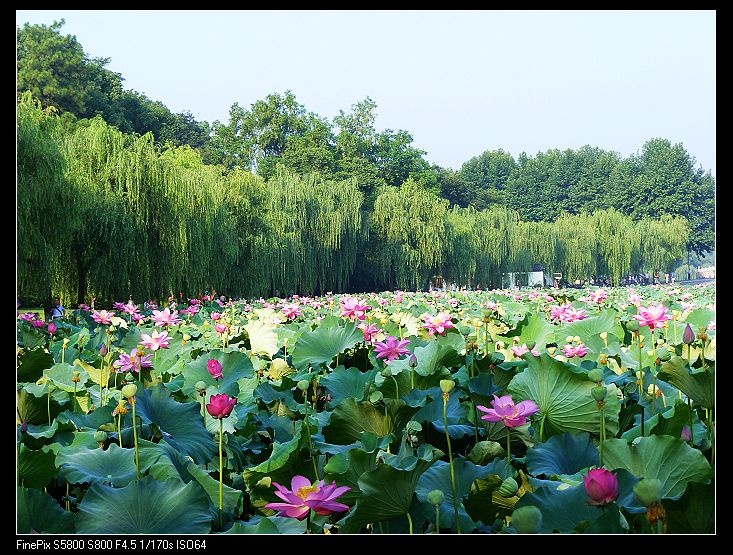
<point x="437" y="519"/>
<point x="397" y="387"/>
<point x="603" y="433"/>
<point x="119" y="430"/>
<point x="450" y="461"/>
<point x="134" y="435"/>
<point x="221" y="471"/>
<point x="641" y="386"/>
<point x="409" y="519"/>
<point x="308" y="430"/>
<point x="508" y="446"/>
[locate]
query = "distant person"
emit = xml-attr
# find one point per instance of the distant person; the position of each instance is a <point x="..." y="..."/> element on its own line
<point x="58" y="309"/>
<point x="672" y="277"/>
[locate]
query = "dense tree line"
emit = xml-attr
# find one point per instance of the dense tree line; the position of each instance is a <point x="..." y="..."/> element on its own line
<point x="107" y="214"/>
<point x="279" y="134"/>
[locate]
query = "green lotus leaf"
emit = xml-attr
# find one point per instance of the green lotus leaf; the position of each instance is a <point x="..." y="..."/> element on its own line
<point x="564" y="397"/>
<point x="432" y="358"/>
<point x="180" y="423"/>
<point x="698" y="385"/>
<point x="350" y="419"/>
<point x="465" y="473"/>
<point x="347" y="383"/>
<point x="145" y="506"/>
<point x="234" y="366"/>
<point x="670" y="422"/>
<point x="562" y="454"/>
<point x="61" y="375"/>
<point x="268" y="525"/>
<point x="670" y="460"/>
<point x="114" y="466"/>
<point x="38" y="512"/>
<point x="588" y="327"/>
<point x="386" y="492"/>
<point x="232" y="498"/>
<point x="563" y="510"/>
<point x="327" y="341"/>
<point x="694" y="512"/>
<point x="35" y="468"/>
<point x="700" y="317"/>
<point x="32" y="363"/>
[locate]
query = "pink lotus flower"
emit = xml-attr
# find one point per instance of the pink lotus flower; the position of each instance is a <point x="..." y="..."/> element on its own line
<point x="533" y="295"/>
<point x="634" y="298"/>
<point x="134" y="362"/>
<point x="391" y="348"/>
<point x="519" y="350"/>
<point x="491" y="305"/>
<point x="573" y="315"/>
<point x="601" y="485"/>
<point x="165" y="317"/>
<point x="215" y="316"/>
<point x="130" y="308"/>
<point x="598" y="296"/>
<point x="137" y="318"/>
<point x="155" y="341"/>
<point x="38" y="324"/>
<point x="221" y="406"/>
<point x="214" y="368"/>
<point x="382" y="301"/>
<point x="370" y="331"/>
<point x="302" y="497"/>
<point x="398" y="296"/>
<point x="685" y="435"/>
<point x="438" y="323"/>
<point x="291" y="311"/>
<point x="102" y="317"/>
<point x="350" y="308"/>
<point x="118" y="305"/>
<point x="84" y="307"/>
<point x="653" y="316"/>
<point x="220" y="328"/>
<point x="28" y="316"/>
<point x="506" y="411"/>
<point x="549" y="298"/>
<point x="571" y="351"/>
<point x="194" y="302"/>
<point x="51" y="328"/>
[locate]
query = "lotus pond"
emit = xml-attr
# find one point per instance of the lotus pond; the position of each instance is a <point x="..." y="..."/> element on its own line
<point x="507" y="411"/>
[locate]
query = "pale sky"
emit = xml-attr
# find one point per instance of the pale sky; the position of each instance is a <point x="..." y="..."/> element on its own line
<point x="460" y="82"/>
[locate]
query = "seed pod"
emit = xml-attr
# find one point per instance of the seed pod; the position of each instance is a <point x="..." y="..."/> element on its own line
<point x="508" y="487"/>
<point x="446" y="386"/>
<point x="435" y="497"/>
<point x="527" y="519"/>
<point x="648" y="491"/>
<point x="129" y="390"/>
<point x="595" y="375"/>
<point x="303" y="385"/>
<point x="599" y="392"/>
<point x="632" y="325"/>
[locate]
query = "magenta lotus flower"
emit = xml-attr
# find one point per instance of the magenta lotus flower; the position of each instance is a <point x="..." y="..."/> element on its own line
<point x="601" y="485"/>
<point x="220" y="328"/>
<point x="391" y="348"/>
<point x="165" y="317"/>
<point x="215" y="316"/>
<point x="370" y="331"/>
<point x="220" y="406"/>
<point x="138" y="318"/>
<point x="571" y="351"/>
<point x="685" y="435"/>
<point x="155" y="341"/>
<point x="134" y="362"/>
<point x="102" y="316"/>
<point x="302" y="497"/>
<point x="118" y="305"/>
<point x="653" y="316"/>
<point x="382" y="301"/>
<point x="291" y="311"/>
<point x="51" y="328"/>
<point x="214" y="368"/>
<point x="438" y="323"/>
<point x="350" y="308"/>
<point x="84" y="307"/>
<point x="38" y="324"/>
<point x="573" y="315"/>
<point x="507" y="412"/>
<point x="634" y="298"/>
<point x="28" y="316"/>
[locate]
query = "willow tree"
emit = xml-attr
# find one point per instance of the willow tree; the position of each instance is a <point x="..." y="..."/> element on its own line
<point x="662" y="241"/>
<point x="617" y="240"/>
<point x="576" y="235"/>
<point x="43" y="200"/>
<point x="410" y="224"/>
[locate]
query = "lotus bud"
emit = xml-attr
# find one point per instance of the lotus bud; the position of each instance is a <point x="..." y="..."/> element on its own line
<point x="663" y="354"/>
<point x="531" y="344"/>
<point x="632" y="325"/>
<point x="435" y="497"/>
<point x="103" y="349"/>
<point x="129" y="391"/>
<point x="200" y="386"/>
<point x="412" y="361"/>
<point x="595" y="375"/>
<point x="100" y="437"/>
<point x="446" y="386"/>
<point x="508" y="487"/>
<point x="648" y="491"/>
<point x="303" y="385"/>
<point x="599" y="392"/>
<point x="688" y="336"/>
<point x="527" y="519"/>
<point x="386" y="372"/>
<point x="75" y="376"/>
